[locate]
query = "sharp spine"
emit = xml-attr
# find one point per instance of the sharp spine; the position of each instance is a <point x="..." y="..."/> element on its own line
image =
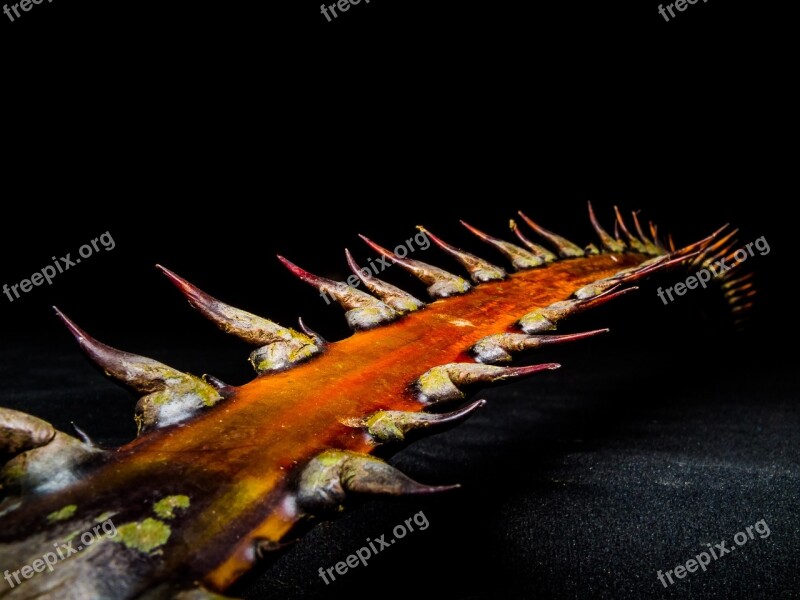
<point x="363" y="311"/>
<point x="627" y="276"/>
<point x="520" y="258"/>
<point x="649" y="246"/>
<point x="566" y="249"/>
<point x="498" y="348"/>
<point x="400" y="300"/>
<point x="441" y="284"/>
<point x="480" y="271"/>
<point x="547" y="318"/>
<point x="279" y="347"/>
<point x="331" y="475"/>
<point x="609" y="243"/>
<point x="443" y="383"/>
<point x="171" y="395"/>
<point x="535" y="249"/>
<point x="635" y="243"/>
<point x="388" y="426"/>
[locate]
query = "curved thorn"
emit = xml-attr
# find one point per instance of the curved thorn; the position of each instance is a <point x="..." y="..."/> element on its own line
<point x="479" y="270"/>
<point x="318" y="339"/>
<point x="519" y="257"/>
<point x="654" y="234"/>
<point x="441" y="283"/>
<point x="737" y="299"/>
<point x="393" y="425"/>
<point x="635" y="243"/>
<point x="615" y="246"/>
<point x="566" y="249"/>
<point x="499" y="347"/>
<point x="142" y="374"/>
<point x="648" y="244"/>
<point x="442" y="383"/>
<point x="82" y="434"/>
<point x="327" y="479"/>
<point x="722" y="254"/>
<point x="734" y="282"/>
<point x="548" y="317"/>
<point x="171" y="395"/>
<point x="393" y="296"/>
<point x="363" y="311"/>
<point x="223" y="388"/>
<point x="246" y="326"/>
<point x="642" y="237"/>
<point x="714" y="247"/>
<point x="536" y="249"/>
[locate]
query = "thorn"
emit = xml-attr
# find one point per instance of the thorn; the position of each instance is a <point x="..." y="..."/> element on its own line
<point x="393" y="425"/>
<point x="671" y="242"/>
<point x="331" y="475"/>
<point x="536" y="249"/>
<point x="738" y="299"/>
<point x="649" y="245"/>
<point x="246" y="326"/>
<point x="633" y="241"/>
<point x="735" y="282"/>
<point x="363" y="311"/>
<point x="706" y="253"/>
<point x="318" y="339"/>
<point x="724" y="253"/>
<point x="399" y="300"/>
<point x="738" y="289"/>
<point x="479" y="270"/>
<point x="223" y="388"/>
<point x="441" y="284"/>
<point x="499" y="347"/>
<point x="615" y="246"/>
<point x="442" y="383"/>
<point x="566" y="249"/>
<point x="742" y="308"/>
<point x="701" y="245"/>
<point x="656" y="240"/>
<point x="548" y="317"/>
<point x="519" y="257"/>
<point x="142" y="374"/>
<point x="172" y="396"/>
<point x="81" y="434"/>
<point x="632" y="274"/>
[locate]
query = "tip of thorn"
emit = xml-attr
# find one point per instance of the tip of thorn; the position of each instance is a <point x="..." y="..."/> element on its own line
<point x="73" y="328"/>
<point x="446" y="488"/>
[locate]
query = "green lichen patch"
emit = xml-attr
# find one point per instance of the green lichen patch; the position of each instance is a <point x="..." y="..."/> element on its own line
<point x="144" y="536"/>
<point x="165" y="508"/>
<point x="62" y="514"/>
<point x="104" y="517"/>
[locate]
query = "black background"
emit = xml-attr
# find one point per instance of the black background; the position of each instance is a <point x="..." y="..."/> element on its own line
<point x="208" y="138"/>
